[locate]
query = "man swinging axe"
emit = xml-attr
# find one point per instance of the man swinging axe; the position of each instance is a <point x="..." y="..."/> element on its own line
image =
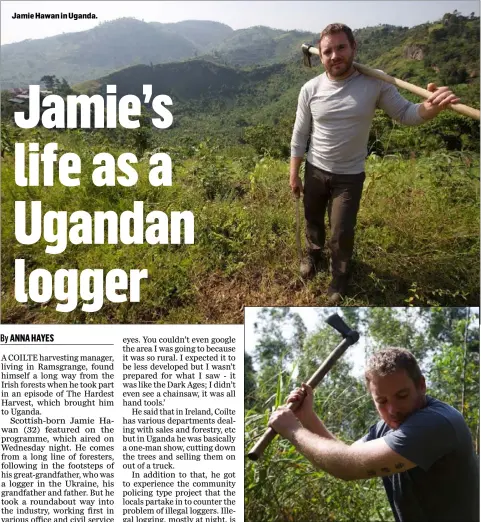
<point x="335" y="110"/>
<point x="421" y="448"/>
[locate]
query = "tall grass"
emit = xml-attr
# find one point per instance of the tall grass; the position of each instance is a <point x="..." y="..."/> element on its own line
<point x="282" y="486"/>
<point x="417" y="238"/>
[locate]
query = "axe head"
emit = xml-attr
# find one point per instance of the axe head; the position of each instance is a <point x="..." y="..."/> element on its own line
<point x="338" y="324"/>
<point x="306" y="55"/>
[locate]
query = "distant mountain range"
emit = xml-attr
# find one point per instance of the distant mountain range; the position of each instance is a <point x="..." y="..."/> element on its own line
<point x="201" y="60"/>
<point x="125" y="42"/>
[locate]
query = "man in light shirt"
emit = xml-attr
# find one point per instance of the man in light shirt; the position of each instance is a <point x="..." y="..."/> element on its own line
<point x="421" y="448"/>
<point x="335" y="110"/>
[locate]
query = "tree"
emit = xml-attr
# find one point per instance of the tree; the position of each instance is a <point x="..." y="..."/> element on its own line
<point x="454" y="372"/>
<point x="52" y="83"/>
<point x="141" y="137"/>
<point x="273" y="351"/>
<point x="49" y="81"/>
<point x="276" y="351"/>
<point x="395" y="327"/>
<point x="63" y="88"/>
<point x="249" y="382"/>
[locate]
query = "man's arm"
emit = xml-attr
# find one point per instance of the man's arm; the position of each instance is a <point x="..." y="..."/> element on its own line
<point x="300" y="136"/>
<point x="358" y="461"/>
<point x="359" y="441"/>
<point x="294" y="179"/>
<point x="407" y="113"/>
<point x="304" y="395"/>
<point x="316" y="426"/>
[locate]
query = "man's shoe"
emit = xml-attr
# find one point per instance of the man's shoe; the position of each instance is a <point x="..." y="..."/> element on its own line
<point x="334" y="298"/>
<point x="311" y="264"/>
<point x="307" y="267"/>
<point x="336" y="290"/>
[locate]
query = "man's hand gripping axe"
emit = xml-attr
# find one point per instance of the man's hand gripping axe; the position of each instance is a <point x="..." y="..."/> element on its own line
<point x="349" y="337"/>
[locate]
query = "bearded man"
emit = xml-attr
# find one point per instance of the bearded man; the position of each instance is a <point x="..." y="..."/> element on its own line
<point x="421" y="448"/>
<point x="334" y="113"/>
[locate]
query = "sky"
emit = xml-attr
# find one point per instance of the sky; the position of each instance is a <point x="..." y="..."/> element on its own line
<point x="356" y="354"/>
<point x="308" y="16"/>
<point x="310" y="316"/>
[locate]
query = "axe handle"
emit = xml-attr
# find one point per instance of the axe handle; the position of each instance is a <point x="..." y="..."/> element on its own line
<point x="258" y="449"/>
<point x="424" y="93"/>
<point x="298" y="231"/>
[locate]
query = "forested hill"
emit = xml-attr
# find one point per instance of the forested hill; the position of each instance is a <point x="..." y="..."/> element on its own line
<point x="125" y="42"/>
<point x="448" y="47"/>
<point x="111" y="45"/>
<point x="447" y="50"/>
<point x="212" y="96"/>
<point x="194" y="79"/>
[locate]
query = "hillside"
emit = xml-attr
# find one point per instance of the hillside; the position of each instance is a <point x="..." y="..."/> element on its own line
<point x="417" y="239"/>
<point x="190" y="80"/>
<point x="86" y="55"/>
<point x="259" y="45"/>
<point x="447" y="50"/>
<point x="202" y="34"/>
<point x="111" y="46"/>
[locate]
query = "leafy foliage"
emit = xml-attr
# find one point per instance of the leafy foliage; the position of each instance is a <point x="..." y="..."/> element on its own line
<point x="417" y="239"/>
<point x="283" y="485"/>
<point x="458" y="62"/>
<point x="447" y="50"/>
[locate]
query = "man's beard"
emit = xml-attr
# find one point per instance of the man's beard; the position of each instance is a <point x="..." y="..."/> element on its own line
<point x="341" y="68"/>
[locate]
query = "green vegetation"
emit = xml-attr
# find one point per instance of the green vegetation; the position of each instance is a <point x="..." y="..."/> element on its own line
<point x="417" y="238"/>
<point x="283" y="485"/>
<point x="56" y="86"/>
<point x="446" y="51"/>
<point x="113" y="45"/>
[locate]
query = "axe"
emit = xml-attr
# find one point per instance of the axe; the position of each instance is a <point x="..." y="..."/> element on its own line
<point x="349" y="337"/>
<point x="368" y="71"/>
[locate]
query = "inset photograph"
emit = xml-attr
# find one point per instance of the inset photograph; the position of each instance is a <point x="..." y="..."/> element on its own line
<point x="361" y="414"/>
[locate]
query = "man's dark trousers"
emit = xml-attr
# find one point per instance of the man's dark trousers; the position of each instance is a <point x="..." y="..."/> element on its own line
<point x="340" y="194"/>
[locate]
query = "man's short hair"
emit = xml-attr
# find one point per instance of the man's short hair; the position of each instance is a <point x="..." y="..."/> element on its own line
<point x="386" y="362"/>
<point x="336" y="29"/>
